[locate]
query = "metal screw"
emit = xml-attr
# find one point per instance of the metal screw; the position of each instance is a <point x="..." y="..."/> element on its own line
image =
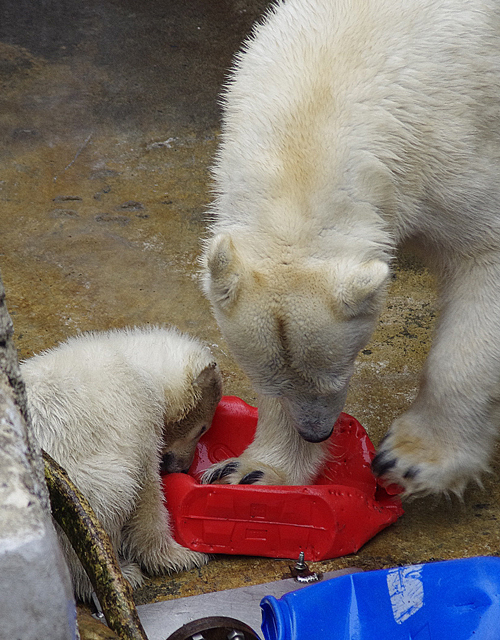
<point x="301" y="572"/>
<point x="197" y="636"/>
<point x="301" y="565"/>
<point x="235" y="635"/>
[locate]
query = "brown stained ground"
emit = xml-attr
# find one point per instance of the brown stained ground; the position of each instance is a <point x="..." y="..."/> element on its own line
<point x="108" y="124"/>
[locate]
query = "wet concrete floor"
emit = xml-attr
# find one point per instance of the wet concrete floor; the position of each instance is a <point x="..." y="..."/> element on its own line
<point x="108" y="123"/>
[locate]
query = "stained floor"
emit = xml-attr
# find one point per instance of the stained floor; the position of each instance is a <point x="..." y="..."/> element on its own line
<point x="109" y="119"/>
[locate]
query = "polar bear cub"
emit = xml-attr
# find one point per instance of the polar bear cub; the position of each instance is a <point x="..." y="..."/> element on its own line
<point x="351" y="129"/>
<point x="112" y="408"/>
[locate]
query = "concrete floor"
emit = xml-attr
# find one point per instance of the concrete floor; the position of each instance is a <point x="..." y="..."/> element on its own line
<point x="108" y="123"/>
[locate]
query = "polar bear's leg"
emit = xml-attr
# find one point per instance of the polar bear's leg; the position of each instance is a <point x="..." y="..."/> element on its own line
<point x="277" y="456"/>
<point x="446" y="437"/>
<point x="147" y="538"/>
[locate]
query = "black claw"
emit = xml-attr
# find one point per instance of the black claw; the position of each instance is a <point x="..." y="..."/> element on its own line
<point x="381" y="464"/>
<point x="222" y="472"/>
<point x="411" y="473"/>
<point x="252" y="477"/>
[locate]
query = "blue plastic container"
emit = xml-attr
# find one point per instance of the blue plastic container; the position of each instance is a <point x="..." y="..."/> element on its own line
<point x="451" y="600"/>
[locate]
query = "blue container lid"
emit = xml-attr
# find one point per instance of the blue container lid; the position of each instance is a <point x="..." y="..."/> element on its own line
<point x="451" y="600"/>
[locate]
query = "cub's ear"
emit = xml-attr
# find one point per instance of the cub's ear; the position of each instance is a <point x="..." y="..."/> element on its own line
<point x="360" y="286"/>
<point x="208" y="385"/>
<point x="222" y="270"/>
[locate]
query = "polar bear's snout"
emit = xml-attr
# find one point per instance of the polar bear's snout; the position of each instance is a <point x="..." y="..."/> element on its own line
<point x="314" y="431"/>
<point x="171" y="464"/>
<point x="314" y="418"/>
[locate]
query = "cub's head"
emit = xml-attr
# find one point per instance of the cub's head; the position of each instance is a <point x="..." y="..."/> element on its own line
<point x="295" y="326"/>
<point x="180" y="437"/>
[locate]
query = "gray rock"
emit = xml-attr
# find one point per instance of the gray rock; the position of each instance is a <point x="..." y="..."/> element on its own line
<point x="36" y="596"/>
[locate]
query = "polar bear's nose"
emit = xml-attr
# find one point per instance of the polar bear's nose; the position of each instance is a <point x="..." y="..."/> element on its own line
<point x="314" y="418"/>
<point x="314" y="425"/>
<point x="314" y="432"/>
<point x="171" y="464"/>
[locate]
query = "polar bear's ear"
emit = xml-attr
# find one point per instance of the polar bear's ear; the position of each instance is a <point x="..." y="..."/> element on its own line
<point x="359" y="286"/>
<point x="224" y="270"/>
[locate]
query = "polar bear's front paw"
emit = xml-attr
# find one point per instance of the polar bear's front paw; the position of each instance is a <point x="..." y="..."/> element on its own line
<point x="132" y="572"/>
<point x="172" y="557"/>
<point x="243" y="471"/>
<point x="424" y="466"/>
<point x="180" y="558"/>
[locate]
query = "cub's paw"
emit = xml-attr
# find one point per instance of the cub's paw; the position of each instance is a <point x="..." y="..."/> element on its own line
<point x="172" y="557"/>
<point x="181" y="558"/>
<point x="243" y="471"/>
<point x="424" y="467"/>
<point x="132" y="572"/>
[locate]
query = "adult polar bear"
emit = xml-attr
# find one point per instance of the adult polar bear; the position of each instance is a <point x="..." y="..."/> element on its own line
<point x="352" y="127"/>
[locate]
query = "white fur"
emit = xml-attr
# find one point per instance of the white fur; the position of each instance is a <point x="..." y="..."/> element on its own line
<point x="102" y="405"/>
<point x="352" y="127"/>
